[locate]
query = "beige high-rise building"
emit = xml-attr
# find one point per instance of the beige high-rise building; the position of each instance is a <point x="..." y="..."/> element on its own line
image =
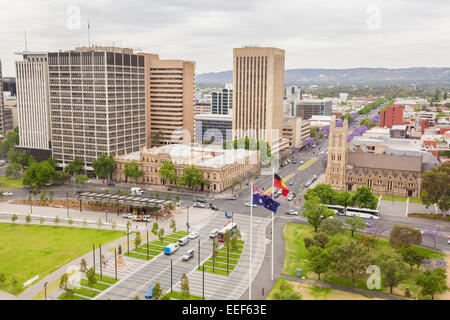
<point x="97" y="103"/>
<point x="170" y="86"/>
<point x="1" y="103"/>
<point x="258" y="89"/>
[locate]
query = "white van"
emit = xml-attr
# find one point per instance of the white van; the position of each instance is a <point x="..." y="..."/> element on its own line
<point x="183" y="241"/>
<point x="213" y="233"/>
<point x="136" y="191"/>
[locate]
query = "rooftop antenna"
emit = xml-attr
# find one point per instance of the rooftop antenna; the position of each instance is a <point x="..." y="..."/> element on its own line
<point x="26" y="46"/>
<point x="89" y="37"/>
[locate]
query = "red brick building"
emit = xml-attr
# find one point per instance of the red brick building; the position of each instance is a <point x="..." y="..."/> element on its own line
<point x="390" y="116"/>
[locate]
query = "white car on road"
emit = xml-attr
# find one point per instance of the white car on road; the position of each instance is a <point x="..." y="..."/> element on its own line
<point x="198" y="205"/>
<point x="193" y="235"/>
<point x="292" y="212"/>
<point x="248" y="204"/>
<point x="6" y="193"/>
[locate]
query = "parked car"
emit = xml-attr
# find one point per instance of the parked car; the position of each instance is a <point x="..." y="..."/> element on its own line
<point x="198" y="205"/>
<point x="136" y="191"/>
<point x="128" y="216"/>
<point x="188" y="255"/>
<point x="49" y="183"/>
<point x="290" y="197"/>
<point x="200" y="200"/>
<point x="149" y="293"/>
<point x="292" y="212"/>
<point x="302" y="162"/>
<point x="294" y="161"/>
<point x="291" y="183"/>
<point x="314" y="177"/>
<point x="111" y="184"/>
<point x="6" y="193"/>
<point x="213" y="207"/>
<point x="183" y="241"/>
<point x="248" y="204"/>
<point x="232" y="198"/>
<point x="193" y="235"/>
<point x="213" y="233"/>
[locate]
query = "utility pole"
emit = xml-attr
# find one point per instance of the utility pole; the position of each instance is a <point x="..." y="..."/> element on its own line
<point x="198" y="251"/>
<point x="203" y="290"/>
<point x="67" y="202"/>
<point x="115" y="261"/>
<point x="170" y="275"/>
<point x="101" y="260"/>
<point x="147" y="244"/>
<point x="128" y="240"/>
<point x="93" y="254"/>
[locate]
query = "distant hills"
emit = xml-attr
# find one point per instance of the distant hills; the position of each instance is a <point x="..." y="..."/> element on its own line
<point x="347" y="76"/>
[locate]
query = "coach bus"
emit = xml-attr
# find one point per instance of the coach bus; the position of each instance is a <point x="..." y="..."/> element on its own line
<point x="232" y="227"/>
<point x="357" y="212"/>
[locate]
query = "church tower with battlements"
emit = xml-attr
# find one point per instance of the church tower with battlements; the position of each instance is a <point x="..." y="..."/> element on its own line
<point x="337" y="155"/>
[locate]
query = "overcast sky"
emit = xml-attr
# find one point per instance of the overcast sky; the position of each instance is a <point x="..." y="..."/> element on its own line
<point x="314" y="34"/>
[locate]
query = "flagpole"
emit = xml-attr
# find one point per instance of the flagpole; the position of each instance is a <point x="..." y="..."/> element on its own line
<point x="273" y="187"/>
<point x="251" y="224"/>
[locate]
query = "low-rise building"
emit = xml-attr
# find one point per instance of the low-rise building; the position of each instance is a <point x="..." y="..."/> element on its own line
<point x="295" y="130"/>
<point x="217" y="165"/>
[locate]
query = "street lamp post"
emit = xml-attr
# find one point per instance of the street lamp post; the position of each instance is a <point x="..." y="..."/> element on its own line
<point x="45" y="290"/>
<point x="101" y="260"/>
<point x="115" y="262"/>
<point x="170" y="275"/>
<point x="203" y="287"/>
<point x="67" y="202"/>
<point x="198" y="251"/>
<point x="93" y="254"/>
<point x="147" y="244"/>
<point x="31" y="207"/>
<point x="128" y="240"/>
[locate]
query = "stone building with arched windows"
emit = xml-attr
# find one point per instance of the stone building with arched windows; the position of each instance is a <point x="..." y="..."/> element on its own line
<point x="384" y="173"/>
<point x="219" y="166"/>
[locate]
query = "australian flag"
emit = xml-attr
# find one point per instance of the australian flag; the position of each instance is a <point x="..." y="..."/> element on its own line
<point x="264" y="200"/>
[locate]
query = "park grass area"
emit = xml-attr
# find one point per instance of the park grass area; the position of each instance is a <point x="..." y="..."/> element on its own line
<point x="296" y="257"/>
<point x="10" y="183"/>
<point x="30" y="250"/>
<point x="439" y="217"/>
<point x="85" y="291"/>
<point x="179" y="296"/>
<point x="400" y="199"/>
<point x="220" y="262"/>
<point x="313" y="292"/>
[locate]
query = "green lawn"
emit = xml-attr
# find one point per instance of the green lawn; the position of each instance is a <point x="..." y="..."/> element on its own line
<point x="7" y="183"/>
<point x="177" y="295"/>
<point x="30" y="250"/>
<point x="296" y="256"/>
<point x="400" y="199"/>
<point x="74" y="297"/>
<point x="220" y="262"/>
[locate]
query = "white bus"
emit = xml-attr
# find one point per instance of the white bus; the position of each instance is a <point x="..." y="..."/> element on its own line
<point x="357" y="212"/>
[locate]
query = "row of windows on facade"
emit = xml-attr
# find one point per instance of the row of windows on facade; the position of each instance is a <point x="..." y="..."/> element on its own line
<point x="95" y="58"/>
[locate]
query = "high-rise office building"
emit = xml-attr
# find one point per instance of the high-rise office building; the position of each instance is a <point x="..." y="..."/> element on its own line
<point x="97" y="103"/>
<point x="170" y="90"/>
<point x="258" y="89"/>
<point x="308" y="108"/>
<point x="33" y="105"/>
<point x="1" y="103"/>
<point x="221" y="101"/>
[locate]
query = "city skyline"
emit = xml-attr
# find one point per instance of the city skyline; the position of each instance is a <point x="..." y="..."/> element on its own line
<point x="323" y="35"/>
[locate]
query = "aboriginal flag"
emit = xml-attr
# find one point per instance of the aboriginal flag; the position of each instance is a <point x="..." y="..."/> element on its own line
<point x="279" y="184"/>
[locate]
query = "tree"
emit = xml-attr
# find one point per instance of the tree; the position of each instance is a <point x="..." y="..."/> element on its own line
<point x="14" y="284"/>
<point x="132" y="171"/>
<point x="167" y="172"/>
<point x="316" y="212"/>
<point x="355" y="224"/>
<point x="113" y="225"/>
<point x="104" y="166"/>
<point x="319" y="260"/>
<point x="63" y="281"/>
<point x="325" y="192"/>
<point x="432" y="282"/>
<point x="84" y="222"/>
<point x="344" y="199"/>
<point x="234" y="182"/>
<point x="192" y="177"/>
<point x="172" y="225"/>
<point x="332" y="227"/>
<point x="14" y="217"/>
<point x="393" y="269"/>
<point x="41" y="220"/>
<point x="90" y="275"/>
<point x="137" y="240"/>
<point x="287" y="295"/>
<point x="436" y="187"/>
<point x="185" y="286"/>
<point x="161" y="234"/>
<point x="155" y="138"/>
<point x="38" y="174"/>
<point x="411" y="256"/>
<point x="432" y="233"/>
<point x="364" y="198"/>
<point x="60" y="177"/>
<point x="157" y="291"/>
<point x="155" y="228"/>
<point x="81" y="179"/>
<point x="75" y="167"/>
<point x="13" y="170"/>
<point x="404" y="236"/>
<point x="350" y="260"/>
<point x="28" y="218"/>
<point x="83" y="266"/>
<point x="70" y="222"/>
<point x="99" y="223"/>
<point x="56" y="220"/>
<point x="177" y="198"/>
<point x="377" y="229"/>
<point x="367" y="241"/>
<point x="12" y="139"/>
